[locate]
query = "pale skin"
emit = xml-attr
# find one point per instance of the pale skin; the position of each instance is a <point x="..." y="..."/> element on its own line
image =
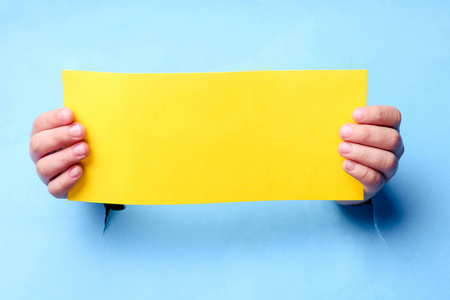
<point x="371" y="148"/>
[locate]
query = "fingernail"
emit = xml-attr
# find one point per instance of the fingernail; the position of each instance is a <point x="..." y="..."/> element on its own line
<point x="345" y="148"/>
<point x="346" y="132"/>
<point x="75" y="172"/>
<point x="79" y="150"/>
<point x="75" y="130"/>
<point x="63" y="115"/>
<point x="349" y="165"/>
<point x="359" y="115"/>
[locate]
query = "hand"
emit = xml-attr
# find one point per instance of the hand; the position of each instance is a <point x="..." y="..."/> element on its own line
<point x="56" y="147"/>
<point x="372" y="147"/>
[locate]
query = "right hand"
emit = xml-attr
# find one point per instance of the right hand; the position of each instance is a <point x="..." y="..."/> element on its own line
<point x="56" y="147"/>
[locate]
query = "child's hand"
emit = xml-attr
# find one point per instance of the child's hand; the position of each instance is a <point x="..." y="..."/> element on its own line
<point x="56" y="147"/>
<point x="372" y="147"/>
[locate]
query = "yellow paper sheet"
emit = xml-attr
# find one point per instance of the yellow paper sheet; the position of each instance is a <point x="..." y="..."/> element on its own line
<point x="214" y="137"/>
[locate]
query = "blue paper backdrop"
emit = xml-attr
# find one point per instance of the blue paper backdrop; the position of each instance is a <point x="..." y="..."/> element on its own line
<point x="55" y="249"/>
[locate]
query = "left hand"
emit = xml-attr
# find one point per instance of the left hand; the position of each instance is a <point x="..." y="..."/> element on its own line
<point x="372" y="147"/>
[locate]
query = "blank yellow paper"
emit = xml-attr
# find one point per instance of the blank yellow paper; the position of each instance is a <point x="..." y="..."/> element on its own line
<point x="214" y="137"/>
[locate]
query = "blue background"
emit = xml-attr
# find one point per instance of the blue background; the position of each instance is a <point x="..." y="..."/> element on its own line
<point x="397" y="249"/>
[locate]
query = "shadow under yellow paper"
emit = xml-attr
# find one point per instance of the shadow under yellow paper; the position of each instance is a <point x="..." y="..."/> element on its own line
<point x="214" y="137"/>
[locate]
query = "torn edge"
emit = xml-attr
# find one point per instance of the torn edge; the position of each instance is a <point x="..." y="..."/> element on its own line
<point x="109" y="207"/>
<point x="375" y="223"/>
<point x="374" y="218"/>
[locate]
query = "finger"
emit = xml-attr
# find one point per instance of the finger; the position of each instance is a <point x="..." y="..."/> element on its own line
<point x="51" y="165"/>
<point x="375" y="136"/>
<point x="371" y="179"/>
<point x="378" y="115"/>
<point x="51" y="119"/>
<point x="44" y="142"/>
<point x="380" y="160"/>
<point x="60" y="186"/>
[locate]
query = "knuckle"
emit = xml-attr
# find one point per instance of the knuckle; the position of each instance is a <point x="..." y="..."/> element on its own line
<point x="401" y="152"/>
<point x="57" y="137"/>
<point x="365" y="175"/>
<point x="397" y="116"/>
<point x="377" y="180"/>
<point x="42" y="170"/>
<point x="364" y="154"/>
<point x="395" y="140"/>
<point x="390" y="161"/>
<point x="372" y="178"/>
<point x="35" y="123"/>
<point x="53" y="190"/>
<point x="368" y="134"/>
<point x="66" y="158"/>
<point x="34" y="144"/>
<point x="378" y="114"/>
<point x="56" y="188"/>
<point x="61" y="184"/>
